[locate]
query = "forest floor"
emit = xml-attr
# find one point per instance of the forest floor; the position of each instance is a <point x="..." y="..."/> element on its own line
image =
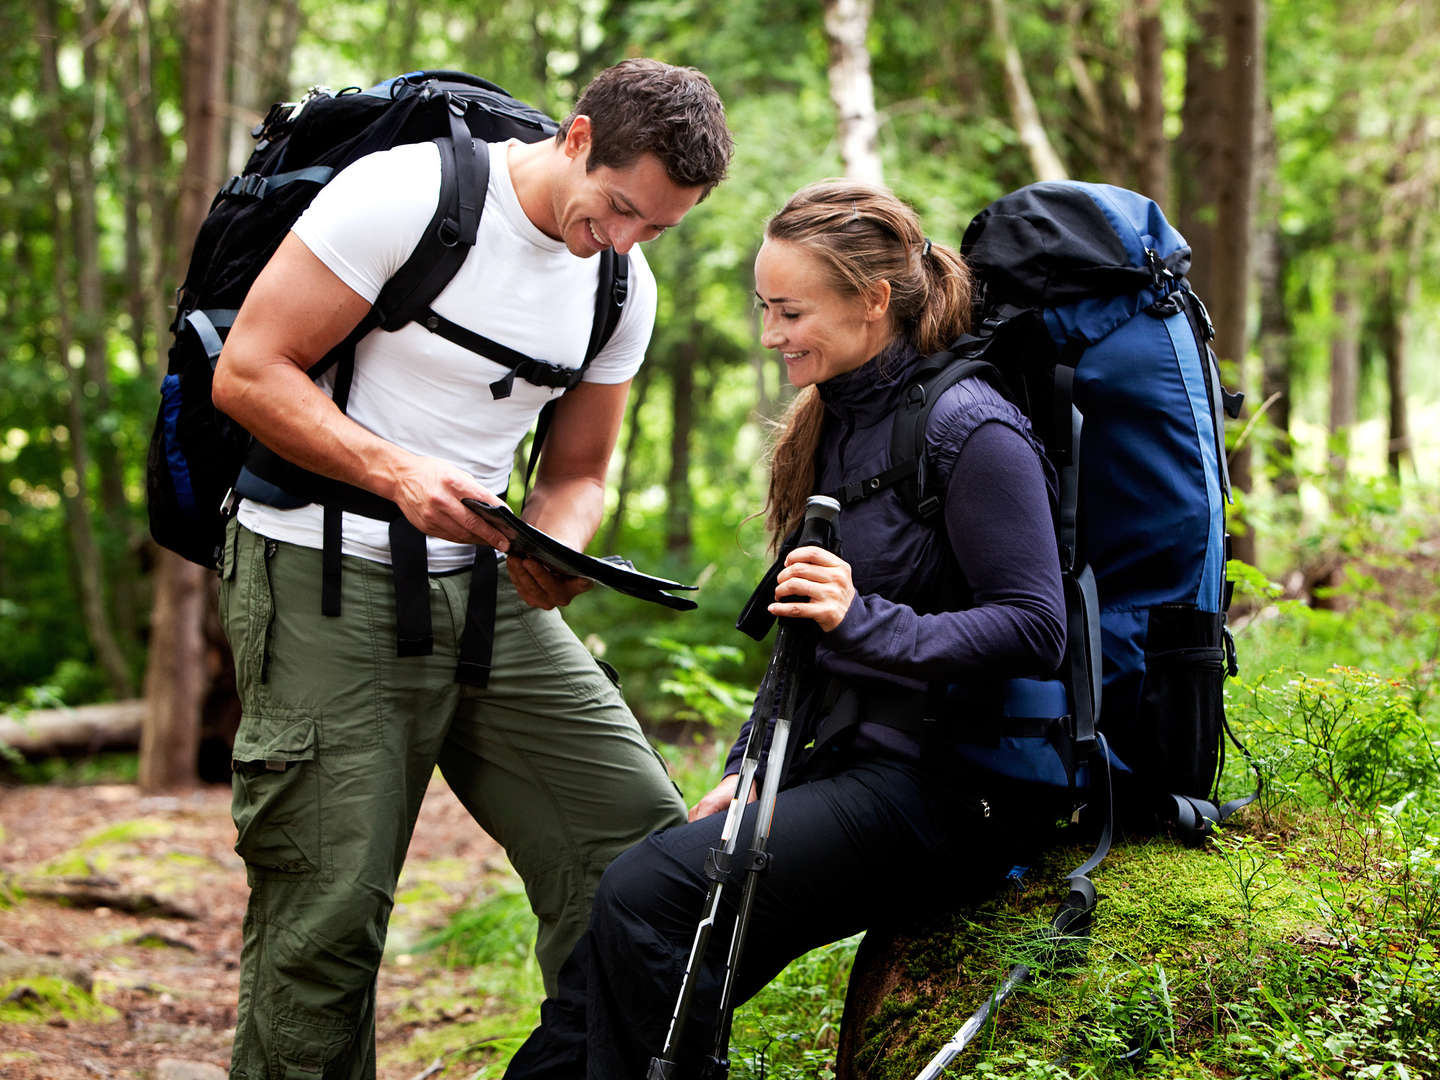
<point x="139" y="961"/>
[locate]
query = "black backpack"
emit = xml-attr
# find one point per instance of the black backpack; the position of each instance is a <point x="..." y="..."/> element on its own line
<point x="1086" y="321"/>
<point x="194" y="471"/>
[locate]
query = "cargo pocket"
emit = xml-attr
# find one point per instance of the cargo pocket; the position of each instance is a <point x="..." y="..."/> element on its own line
<point x="306" y="1047"/>
<point x="1182" y="704"/>
<point x="276" y="800"/>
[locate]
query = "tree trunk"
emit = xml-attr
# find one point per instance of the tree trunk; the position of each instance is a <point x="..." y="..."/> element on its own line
<point x="1344" y="378"/>
<point x="678" y="496"/>
<point x="1275" y="331"/>
<point x="1202" y="119"/>
<point x="140" y="302"/>
<point x="119" y="567"/>
<point x="1235" y="217"/>
<point x="1023" y="112"/>
<point x="1152" y="167"/>
<point x="177" y="676"/>
<point x="1275" y="375"/>
<point x="847" y="24"/>
<point x="640" y="388"/>
<point x="66" y="234"/>
<point x="1396" y="303"/>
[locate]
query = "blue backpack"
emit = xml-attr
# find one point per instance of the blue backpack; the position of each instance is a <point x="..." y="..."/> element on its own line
<point x="1086" y="321"/>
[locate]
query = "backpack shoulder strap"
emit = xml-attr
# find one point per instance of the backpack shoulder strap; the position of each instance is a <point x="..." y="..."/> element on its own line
<point x="464" y="182"/>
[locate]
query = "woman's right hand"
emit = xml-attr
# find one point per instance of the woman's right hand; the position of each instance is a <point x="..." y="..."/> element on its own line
<point x="719" y="798"/>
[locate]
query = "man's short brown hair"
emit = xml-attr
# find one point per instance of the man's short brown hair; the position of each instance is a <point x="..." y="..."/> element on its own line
<point x="642" y="106"/>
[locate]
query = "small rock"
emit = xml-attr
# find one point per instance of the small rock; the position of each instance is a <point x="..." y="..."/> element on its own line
<point x="176" y="1069"/>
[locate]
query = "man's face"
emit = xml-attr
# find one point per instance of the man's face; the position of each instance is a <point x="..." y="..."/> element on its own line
<point x="616" y="208"/>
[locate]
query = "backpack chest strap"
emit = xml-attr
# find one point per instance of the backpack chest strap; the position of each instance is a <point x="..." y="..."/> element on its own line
<point x="536" y="372"/>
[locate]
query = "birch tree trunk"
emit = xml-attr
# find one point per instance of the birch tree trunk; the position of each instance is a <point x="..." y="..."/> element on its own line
<point x="1023" y="111"/>
<point x="847" y="25"/>
<point x="177" y="676"/>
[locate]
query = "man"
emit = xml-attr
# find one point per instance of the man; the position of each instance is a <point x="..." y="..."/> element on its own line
<point x="340" y="735"/>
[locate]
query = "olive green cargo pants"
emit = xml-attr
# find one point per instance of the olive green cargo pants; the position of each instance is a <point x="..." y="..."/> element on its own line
<point x="338" y="741"/>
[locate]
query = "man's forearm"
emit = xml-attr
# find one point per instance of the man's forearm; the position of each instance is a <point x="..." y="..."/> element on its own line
<point x="288" y="413"/>
<point x="567" y="508"/>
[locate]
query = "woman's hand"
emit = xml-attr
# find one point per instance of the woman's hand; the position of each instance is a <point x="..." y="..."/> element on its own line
<point x="719" y="798"/>
<point x="823" y="579"/>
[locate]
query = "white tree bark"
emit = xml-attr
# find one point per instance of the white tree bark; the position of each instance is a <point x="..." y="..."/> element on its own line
<point x="1028" y="125"/>
<point x="847" y="23"/>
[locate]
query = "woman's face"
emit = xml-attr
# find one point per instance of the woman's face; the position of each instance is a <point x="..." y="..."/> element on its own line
<point x="819" y="331"/>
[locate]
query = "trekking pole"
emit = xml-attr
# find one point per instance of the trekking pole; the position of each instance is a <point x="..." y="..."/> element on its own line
<point x="781" y="684"/>
<point x="1075" y="910"/>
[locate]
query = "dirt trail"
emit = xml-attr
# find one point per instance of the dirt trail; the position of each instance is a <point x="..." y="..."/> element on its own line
<point x="164" y="986"/>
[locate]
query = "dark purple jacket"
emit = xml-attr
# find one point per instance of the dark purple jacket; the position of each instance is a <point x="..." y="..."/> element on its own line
<point x="974" y="603"/>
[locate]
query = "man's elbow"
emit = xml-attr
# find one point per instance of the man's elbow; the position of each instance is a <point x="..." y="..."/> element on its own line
<point x="229" y="388"/>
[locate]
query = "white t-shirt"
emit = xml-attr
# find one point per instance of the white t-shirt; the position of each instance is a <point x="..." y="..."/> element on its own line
<point x="414" y="388"/>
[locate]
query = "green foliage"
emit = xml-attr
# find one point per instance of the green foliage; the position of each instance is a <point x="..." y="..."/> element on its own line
<point x="1351" y="737"/>
<point x="788" y="1031"/>
<point x="705" y="698"/>
<point x="500" y="929"/>
<point x="104" y="768"/>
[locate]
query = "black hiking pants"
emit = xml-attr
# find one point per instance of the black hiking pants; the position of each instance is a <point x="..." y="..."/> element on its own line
<point x="869" y="844"/>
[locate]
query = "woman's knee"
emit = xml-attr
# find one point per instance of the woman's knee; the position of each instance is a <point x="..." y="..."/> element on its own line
<point x="646" y="889"/>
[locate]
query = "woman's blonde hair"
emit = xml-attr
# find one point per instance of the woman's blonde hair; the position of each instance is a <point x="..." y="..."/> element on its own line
<point x="862" y="234"/>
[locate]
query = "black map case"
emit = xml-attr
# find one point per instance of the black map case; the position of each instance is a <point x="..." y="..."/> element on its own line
<point x="612" y="571"/>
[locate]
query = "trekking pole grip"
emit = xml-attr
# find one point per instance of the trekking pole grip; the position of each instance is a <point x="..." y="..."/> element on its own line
<point x="818" y="529"/>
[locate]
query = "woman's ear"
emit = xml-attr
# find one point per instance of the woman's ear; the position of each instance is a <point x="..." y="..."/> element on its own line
<point x="877" y="301"/>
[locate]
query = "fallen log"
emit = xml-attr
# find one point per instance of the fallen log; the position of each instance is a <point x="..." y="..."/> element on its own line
<point x="85" y="728"/>
<point x="96" y="892"/>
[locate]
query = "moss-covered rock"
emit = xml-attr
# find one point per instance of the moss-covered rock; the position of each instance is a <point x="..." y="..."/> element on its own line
<point x="1175" y="927"/>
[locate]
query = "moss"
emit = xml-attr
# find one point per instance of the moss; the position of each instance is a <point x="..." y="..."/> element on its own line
<point x="1173" y="930"/>
<point x="189" y="860"/>
<point x="126" y="832"/>
<point x="40" y="998"/>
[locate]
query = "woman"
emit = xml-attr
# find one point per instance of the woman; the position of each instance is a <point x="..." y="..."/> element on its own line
<point x="852" y="295"/>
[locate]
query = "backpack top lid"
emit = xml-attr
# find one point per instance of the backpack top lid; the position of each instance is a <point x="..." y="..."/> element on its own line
<point x="1059" y="242"/>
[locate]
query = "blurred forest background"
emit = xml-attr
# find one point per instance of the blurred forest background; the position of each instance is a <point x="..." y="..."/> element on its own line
<point x="1294" y="143"/>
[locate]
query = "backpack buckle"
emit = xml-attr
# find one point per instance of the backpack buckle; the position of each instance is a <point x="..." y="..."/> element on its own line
<point x="1160" y="276"/>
